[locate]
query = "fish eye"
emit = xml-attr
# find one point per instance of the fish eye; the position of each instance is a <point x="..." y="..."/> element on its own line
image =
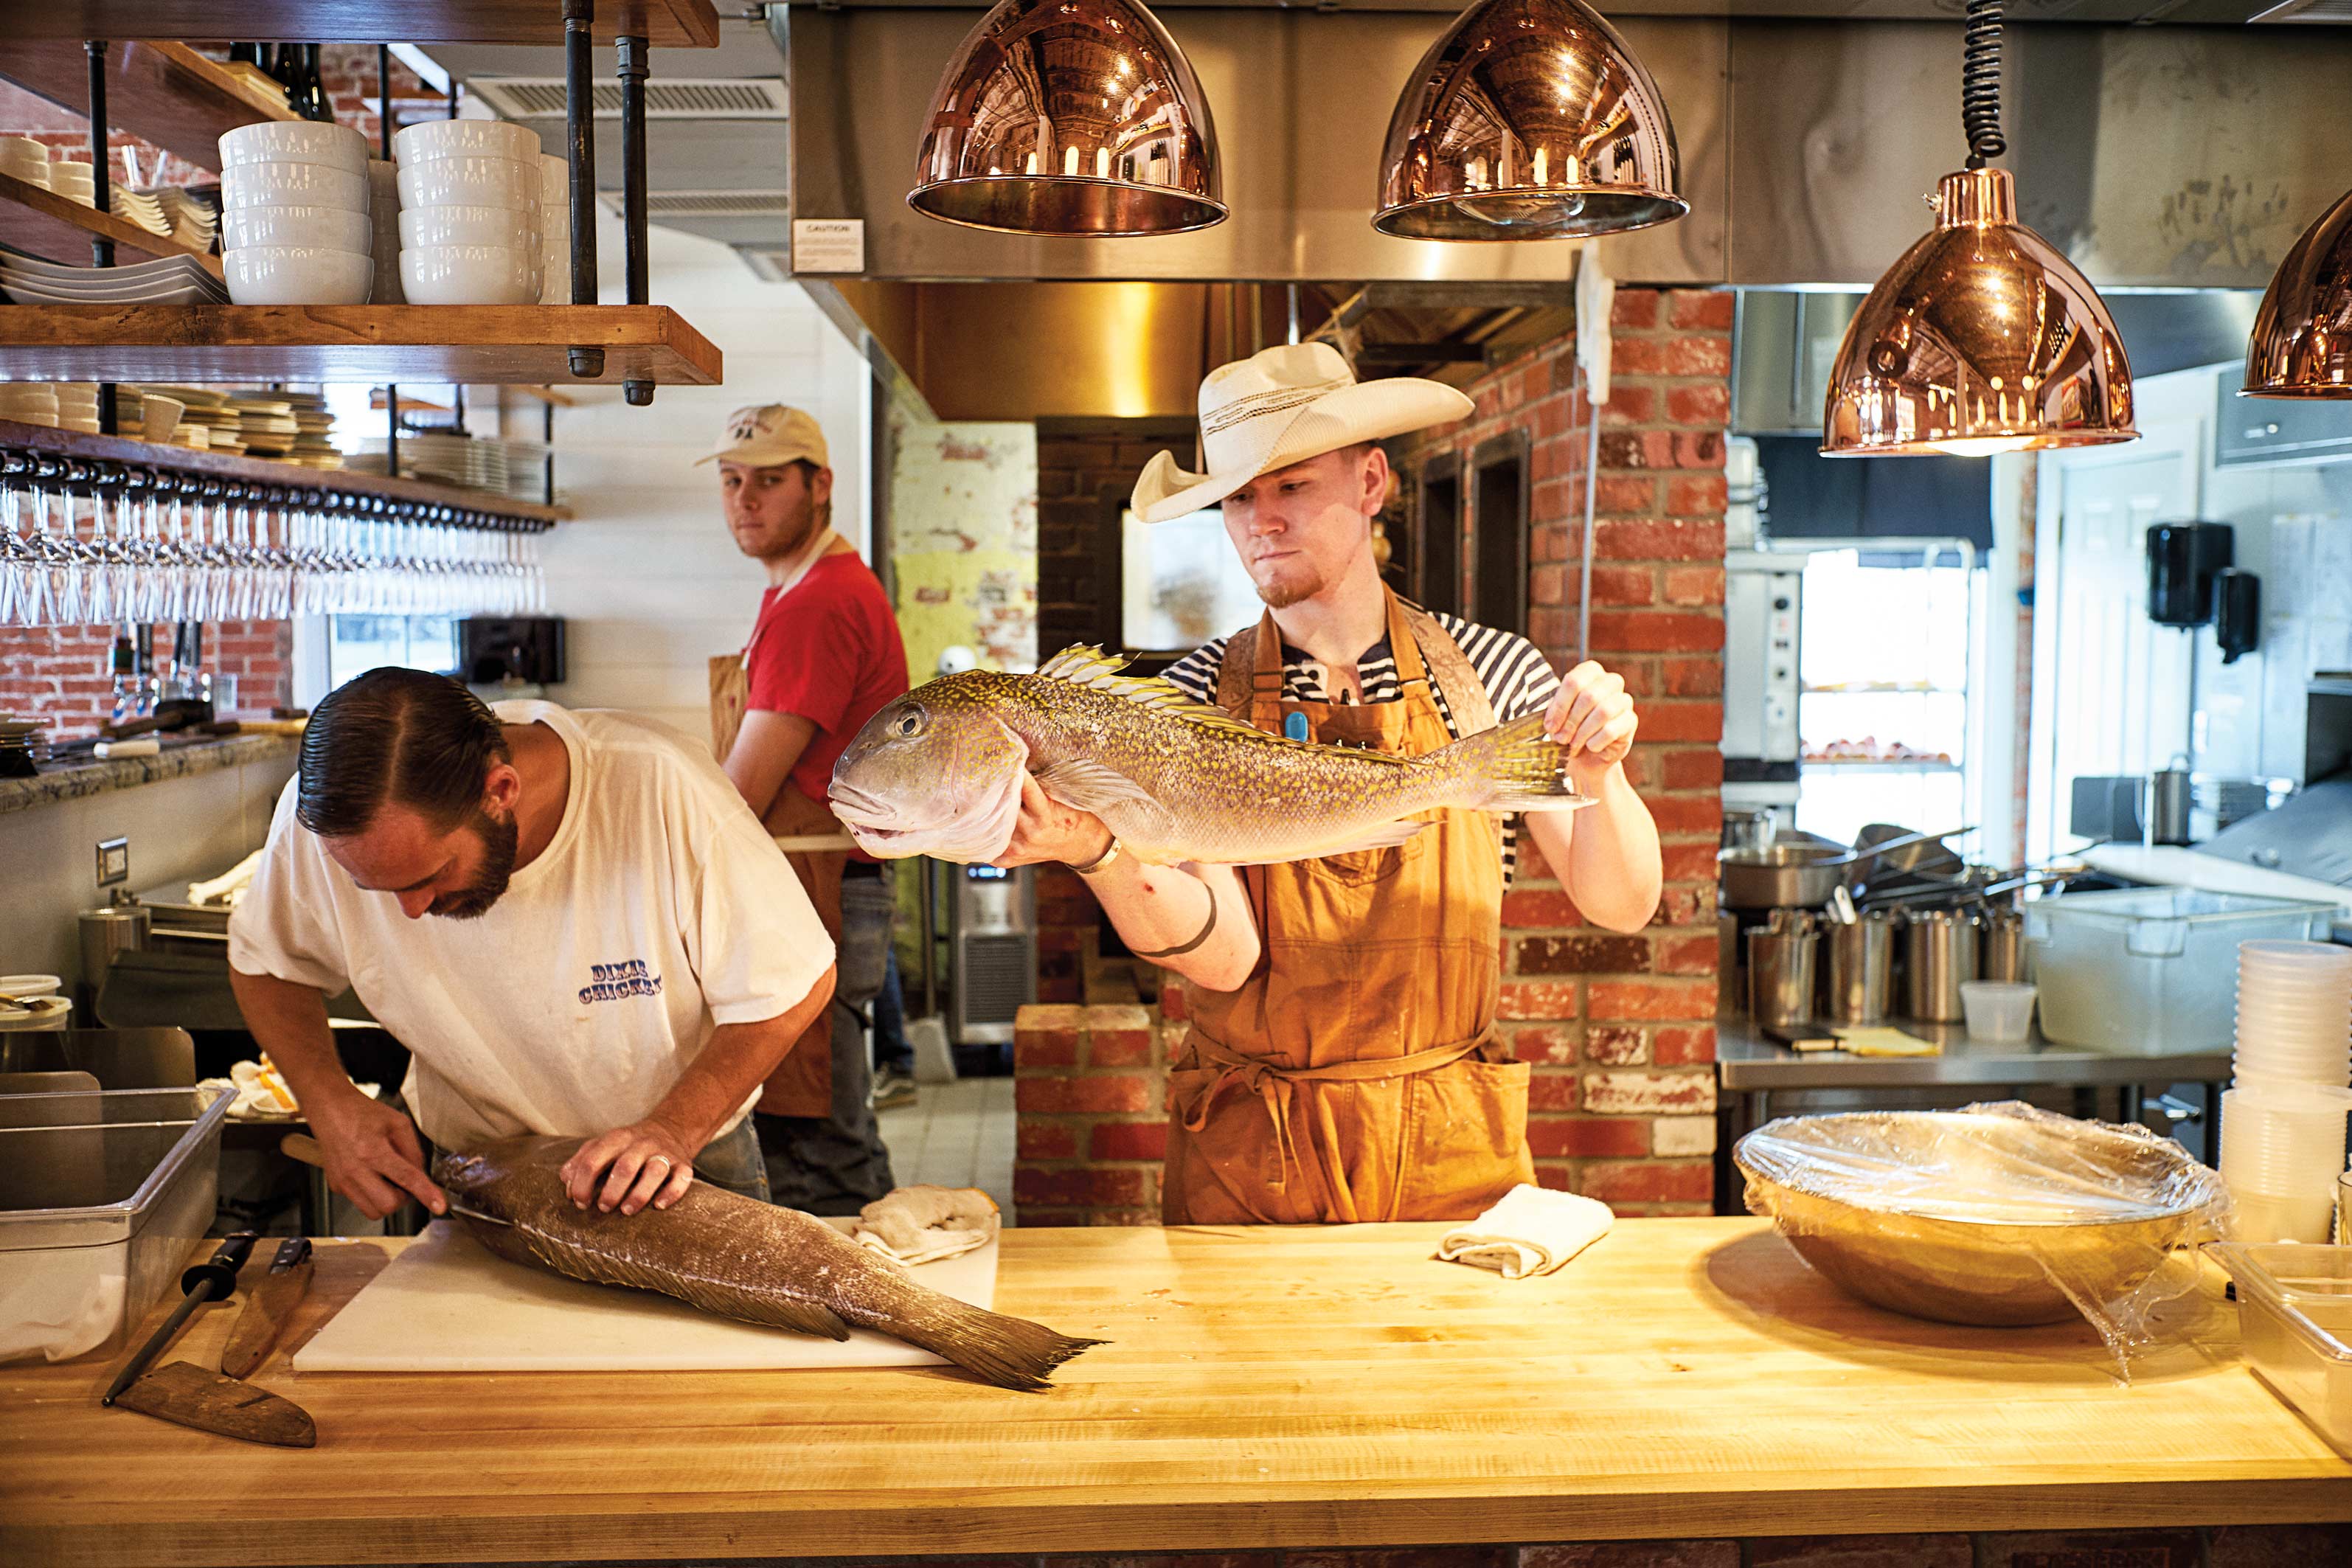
<point x="909" y="723"/>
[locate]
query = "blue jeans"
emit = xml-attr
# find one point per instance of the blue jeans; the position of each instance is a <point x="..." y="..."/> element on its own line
<point x="835" y="1163"/>
<point x="732" y="1161"/>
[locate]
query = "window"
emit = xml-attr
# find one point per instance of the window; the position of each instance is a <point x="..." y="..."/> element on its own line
<point x="1884" y="716"/>
<point x="357" y="644"/>
<point x="1180" y="583"/>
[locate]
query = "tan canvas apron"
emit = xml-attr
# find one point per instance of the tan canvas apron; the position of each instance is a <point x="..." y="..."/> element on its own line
<point x="1354" y="1076"/>
<point x="802" y="1084"/>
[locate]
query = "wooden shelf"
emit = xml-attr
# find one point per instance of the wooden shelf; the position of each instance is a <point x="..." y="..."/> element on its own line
<point x="44" y="224"/>
<point x="164" y="92"/>
<point x="668" y="24"/>
<point x="264" y="470"/>
<point x="368" y="344"/>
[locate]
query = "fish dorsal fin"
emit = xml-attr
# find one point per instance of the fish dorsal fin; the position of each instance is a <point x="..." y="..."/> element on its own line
<point x="1082" y="664"/>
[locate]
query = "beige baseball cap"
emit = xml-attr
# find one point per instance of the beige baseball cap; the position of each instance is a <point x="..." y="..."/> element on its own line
<point x="768" y="435"/>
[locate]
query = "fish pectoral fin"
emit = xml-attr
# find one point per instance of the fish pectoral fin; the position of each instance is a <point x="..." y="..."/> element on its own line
<point x="1387" y="836"/>
<point x="1086" y="786"/>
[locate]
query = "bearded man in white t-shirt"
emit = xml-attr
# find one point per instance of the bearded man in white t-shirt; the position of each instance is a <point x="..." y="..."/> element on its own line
<point x="570" y="919"/>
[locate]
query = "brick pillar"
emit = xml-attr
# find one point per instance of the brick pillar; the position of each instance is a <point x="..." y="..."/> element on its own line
<point x="1090" y="1088"/>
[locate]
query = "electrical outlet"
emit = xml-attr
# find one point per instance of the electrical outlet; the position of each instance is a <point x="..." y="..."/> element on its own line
<point x="114" y="862"/>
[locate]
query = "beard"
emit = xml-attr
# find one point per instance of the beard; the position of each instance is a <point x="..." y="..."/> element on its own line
<point x="1282" y="592"/>
<point x="499" y="836"/>
<point x="789" y="540"/>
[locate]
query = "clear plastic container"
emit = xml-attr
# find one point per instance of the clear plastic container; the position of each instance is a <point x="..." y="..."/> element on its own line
<point x="2294" y="1327"/>
<point x="1998" y="1010"/>
<point x="103" y="1193"/>
<point x="2153" y="971"/>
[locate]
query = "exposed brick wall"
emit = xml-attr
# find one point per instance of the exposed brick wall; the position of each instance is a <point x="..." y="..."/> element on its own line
<point x="1090" y="1087"/>
<point x="60" y="676"/>
<point x="1620" y="1027"/>
<point x="1083" y="466"/>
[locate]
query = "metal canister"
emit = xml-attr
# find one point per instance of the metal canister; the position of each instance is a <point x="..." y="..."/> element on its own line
<point x="117" y="927"/>
<point x="2168" y="803"/>
<point x="2004" y="945"/>
<point x="1781" y="975"/>
<point x="1861" y="970"/>
<point x="1939" y="950"/>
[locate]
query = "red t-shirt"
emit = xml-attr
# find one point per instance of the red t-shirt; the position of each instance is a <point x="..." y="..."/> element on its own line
<point x="829" y="651"/>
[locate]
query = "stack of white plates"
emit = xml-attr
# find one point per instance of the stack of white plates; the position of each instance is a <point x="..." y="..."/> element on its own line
<point x="140" y="207"/>
<point x="2282" y="1124"/>
<point x="74" y="180"/>
<point x="27" y="159"/>
<point x="470" y="216"/>
<point x="195" y="221"/>
<point x="77" y="406"/>
<point x="295" y="228"/>
<point x="173" y="280"/>
<point x="555" y="210"/>
<point x="210" y="423"/>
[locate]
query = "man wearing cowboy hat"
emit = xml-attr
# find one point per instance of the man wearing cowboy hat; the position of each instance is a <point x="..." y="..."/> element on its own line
<point x="1341" y="1062"/>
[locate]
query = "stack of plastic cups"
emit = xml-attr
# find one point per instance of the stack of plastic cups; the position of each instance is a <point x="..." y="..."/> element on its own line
<point x="2282" y="1120"/>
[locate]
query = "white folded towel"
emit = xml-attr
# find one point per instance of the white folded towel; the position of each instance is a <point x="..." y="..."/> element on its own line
<point x="1533" y="1230"/>
<point x="925" y="1223"/>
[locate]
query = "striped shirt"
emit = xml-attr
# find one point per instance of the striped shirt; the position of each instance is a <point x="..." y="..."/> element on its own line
<point x="1518" y="678"/>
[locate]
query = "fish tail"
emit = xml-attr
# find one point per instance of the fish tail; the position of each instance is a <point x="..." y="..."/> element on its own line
<point x="1011" y="1352"/>
<point x="1511" y="767"/>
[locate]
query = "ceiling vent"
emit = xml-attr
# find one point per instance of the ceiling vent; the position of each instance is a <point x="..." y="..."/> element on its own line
<point x="662" y="205"/>
<point x="675" y="97"/>
<point x="2338" y="13"/>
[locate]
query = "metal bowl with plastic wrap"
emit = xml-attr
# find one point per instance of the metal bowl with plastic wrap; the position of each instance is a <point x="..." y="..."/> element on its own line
<point x="1994" y="1215"/>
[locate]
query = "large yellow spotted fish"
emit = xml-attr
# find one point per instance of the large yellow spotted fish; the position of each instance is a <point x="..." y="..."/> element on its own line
<point x="939" y="772"/>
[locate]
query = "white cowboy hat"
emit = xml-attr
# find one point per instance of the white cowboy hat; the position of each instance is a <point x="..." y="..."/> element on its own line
<point x="1283" y="406"/>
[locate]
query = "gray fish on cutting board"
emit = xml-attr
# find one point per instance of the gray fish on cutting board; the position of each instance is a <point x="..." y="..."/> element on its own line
<point x="735" y="1258"/>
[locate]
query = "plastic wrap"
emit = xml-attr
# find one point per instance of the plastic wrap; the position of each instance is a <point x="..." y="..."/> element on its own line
<point x="1995" y="1215"/>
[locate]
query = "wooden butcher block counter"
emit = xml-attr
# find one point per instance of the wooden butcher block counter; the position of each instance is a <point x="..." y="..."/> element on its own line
<point x="1265" y="1387"/>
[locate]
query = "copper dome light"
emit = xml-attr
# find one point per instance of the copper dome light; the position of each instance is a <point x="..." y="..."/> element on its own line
<point x="1529" y="120"/>
<point x="2301" y="341"/>
<point x="1069" y="117"/>
<point x="1981" y="338"/>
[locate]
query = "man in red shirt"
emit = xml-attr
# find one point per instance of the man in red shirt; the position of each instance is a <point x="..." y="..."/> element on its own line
<point x="824" y="656"/>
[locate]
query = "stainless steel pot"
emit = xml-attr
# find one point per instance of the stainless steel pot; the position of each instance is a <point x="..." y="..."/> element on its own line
<point x="1747" y="829"/>
<point x="2004" y="945"/>
<point x="1861" y="970"/>
<point x="1939" y="950"/>
<point x="1781" y="975"/>
<point x="1795" y="871"/>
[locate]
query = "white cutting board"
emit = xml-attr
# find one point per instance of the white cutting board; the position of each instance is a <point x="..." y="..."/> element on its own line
<point x="446" y="1303"/>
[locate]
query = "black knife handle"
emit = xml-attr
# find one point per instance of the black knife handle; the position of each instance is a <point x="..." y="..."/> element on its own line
<point x="291" y="1252"/>
<point x="220" y="1269"/>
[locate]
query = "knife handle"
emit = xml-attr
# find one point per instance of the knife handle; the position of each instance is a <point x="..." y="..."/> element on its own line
<point x="293" y="1251"/>
<point x="220" y="1269"/>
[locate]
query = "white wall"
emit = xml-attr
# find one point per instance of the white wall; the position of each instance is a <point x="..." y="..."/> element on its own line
<point x="647" y="576"/>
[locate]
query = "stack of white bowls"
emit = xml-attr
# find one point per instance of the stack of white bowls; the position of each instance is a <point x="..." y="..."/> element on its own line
<point x="29" y="402"/>
<point x="2282" y="1120"/>
<point x="74" y="180"/>
<point x="555" y="209"/>
<point x="294" y="215"/>
<point x="471" y="216"/>
<point x="27" y="159"/>
<point x="77" y="406"/>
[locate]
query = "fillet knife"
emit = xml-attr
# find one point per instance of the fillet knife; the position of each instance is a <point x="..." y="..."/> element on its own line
<point x="270" y="1303"/>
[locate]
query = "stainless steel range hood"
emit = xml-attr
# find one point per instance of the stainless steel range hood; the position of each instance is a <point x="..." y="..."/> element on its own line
<point x="2158" y="157"/>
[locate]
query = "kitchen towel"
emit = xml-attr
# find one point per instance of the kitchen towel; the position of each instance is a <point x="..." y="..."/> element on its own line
<point x="1533" y="1230"/>
<point x="925" y="1223"/>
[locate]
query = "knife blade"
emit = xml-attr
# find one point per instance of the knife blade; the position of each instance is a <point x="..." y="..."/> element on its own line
<point x="268" y="1304"/>
<point x="186" y="1394"/>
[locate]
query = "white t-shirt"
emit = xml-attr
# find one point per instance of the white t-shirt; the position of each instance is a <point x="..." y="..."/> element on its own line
<point x="660" y="910"/>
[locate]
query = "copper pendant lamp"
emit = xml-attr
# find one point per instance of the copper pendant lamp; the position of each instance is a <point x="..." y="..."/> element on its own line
<point x="2302" y="342"/>
<point x="1529" y="120"/>
<point x="1069" y="117"/>
<point x="1982" y="338"/>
